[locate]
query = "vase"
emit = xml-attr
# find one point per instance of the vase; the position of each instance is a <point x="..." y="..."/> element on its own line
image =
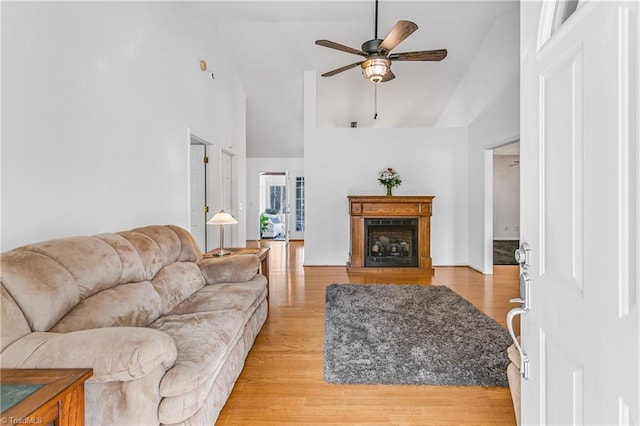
<point x="389" y="191"/>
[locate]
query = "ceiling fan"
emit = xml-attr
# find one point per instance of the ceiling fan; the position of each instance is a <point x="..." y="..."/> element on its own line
<point x="377" y="63"/>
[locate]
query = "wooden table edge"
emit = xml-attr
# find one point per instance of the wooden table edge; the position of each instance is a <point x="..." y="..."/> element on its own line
<point x="55" y="383"/>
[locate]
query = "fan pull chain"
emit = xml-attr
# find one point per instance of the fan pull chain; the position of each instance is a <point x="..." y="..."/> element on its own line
<point x="375" y="101"/>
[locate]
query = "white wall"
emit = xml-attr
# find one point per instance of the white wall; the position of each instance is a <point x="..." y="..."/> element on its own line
<point x="97" y="99"/>
<point x="487" y="101"/>
<point x="506" y="197"/>
<point x="254" y="167"/>
<point x="340" y="162"/>
<point x="498" y="125"/>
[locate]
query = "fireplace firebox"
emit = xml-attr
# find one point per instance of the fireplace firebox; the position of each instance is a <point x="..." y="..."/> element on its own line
<point x="391" y="242"/>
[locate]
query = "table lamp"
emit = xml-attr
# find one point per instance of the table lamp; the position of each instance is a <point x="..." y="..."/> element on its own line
<point x="222" y="218"/>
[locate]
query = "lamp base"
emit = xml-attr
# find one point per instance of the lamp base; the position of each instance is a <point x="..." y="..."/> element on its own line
<point x="221" y="252"/>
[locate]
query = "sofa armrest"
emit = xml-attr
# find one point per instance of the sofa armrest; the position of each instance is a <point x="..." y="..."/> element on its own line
<point x="114" y="353"/>
<point x="236" y="268"/>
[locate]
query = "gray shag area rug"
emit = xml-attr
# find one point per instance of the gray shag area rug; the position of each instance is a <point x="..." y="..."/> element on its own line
<point x="410" y="334"/>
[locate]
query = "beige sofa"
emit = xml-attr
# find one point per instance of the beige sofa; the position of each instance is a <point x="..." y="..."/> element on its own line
<point x="165" y="331"/>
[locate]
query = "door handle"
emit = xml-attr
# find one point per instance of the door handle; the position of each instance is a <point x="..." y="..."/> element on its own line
<point x="522" y="256"/>
<point x="525" y="292"/>
<point x="524" y="360"/>
<point x="524" y="300"/>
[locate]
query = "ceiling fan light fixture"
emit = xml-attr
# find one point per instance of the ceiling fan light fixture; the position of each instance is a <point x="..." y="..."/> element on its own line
<point x="375" y="68"/>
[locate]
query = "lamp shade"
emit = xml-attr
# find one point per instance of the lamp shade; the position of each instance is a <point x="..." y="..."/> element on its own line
<point x="222" y="218"/>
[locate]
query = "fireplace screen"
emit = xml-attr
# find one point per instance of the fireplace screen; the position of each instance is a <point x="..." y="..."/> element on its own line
<point x="391" y="242"/>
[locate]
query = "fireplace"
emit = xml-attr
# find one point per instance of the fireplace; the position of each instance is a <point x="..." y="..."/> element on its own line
<point x="391" y="242"/>
<point x="390" y="232"/>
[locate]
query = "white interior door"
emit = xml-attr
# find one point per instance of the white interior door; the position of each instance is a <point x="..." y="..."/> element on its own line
<point x="579" y="213"/>
<point x="198" y="194"/>
<point x="226" y="201"/>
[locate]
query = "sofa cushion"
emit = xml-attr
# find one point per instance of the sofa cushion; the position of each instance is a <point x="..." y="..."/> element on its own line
<point x="176" y="409"/>
<point x="43" y="289"/>
<point x="242" y="297"/>
<point x="166" y="239"/>
<point x="203" y="340"/>
<point x="168" y="244"/>
<point x="191" y="251"/>
<point x="132" y="267"/>
<point x="14" y="325"/>
<point x="150" y="253"/>
<point x="231" y="269"/>
<point x="176" y="282"/>
<point x="131" y="305"/>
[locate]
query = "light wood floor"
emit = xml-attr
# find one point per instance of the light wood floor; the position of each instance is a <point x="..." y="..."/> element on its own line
<point x="282" y="382"/>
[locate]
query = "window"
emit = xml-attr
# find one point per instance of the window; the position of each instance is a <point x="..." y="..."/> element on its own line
<point x="277" y="198"/>
<point x="554" y="15"/>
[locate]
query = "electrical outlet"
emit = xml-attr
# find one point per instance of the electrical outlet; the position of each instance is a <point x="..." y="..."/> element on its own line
<point x="506" y="228"/>
<point x="517" y="228"/>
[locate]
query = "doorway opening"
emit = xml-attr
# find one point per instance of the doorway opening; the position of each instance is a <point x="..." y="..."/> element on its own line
<point x="281" y="205"/>
<point x="506" y="203"/>
<point x="273" y="205"/>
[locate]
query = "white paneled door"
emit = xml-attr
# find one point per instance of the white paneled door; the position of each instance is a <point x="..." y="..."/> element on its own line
<point x="579" y="212"/>
<point x="198" y="194"/>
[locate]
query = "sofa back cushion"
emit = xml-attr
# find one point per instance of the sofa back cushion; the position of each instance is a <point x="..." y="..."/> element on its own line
<point x="131" y="265"/>
<point x="43" y="289"/>
<point x="176" y="282"/>
<point x="14" y="325"/>
<point x="94" y="263"/>
<point x="190" y="251"/>
<point x="131" y="305"/>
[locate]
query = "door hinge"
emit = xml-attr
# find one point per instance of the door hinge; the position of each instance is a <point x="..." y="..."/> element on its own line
<point x="206" y="160"/>
<point x="206" y="209"/>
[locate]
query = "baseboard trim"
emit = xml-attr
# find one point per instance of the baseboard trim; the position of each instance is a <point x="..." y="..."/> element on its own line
<point x="475" y="268"/>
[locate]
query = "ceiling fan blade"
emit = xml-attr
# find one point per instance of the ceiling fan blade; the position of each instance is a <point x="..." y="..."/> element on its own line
<point x="424" y="55"/>
<point x="400" y="31"/>
<point x="338" y="46"/>
<point x="388" y="76"/>
<point x="339" y="70"/>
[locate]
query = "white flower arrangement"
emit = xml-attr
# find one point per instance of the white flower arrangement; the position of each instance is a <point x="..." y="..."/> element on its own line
<point x="389" y="178"/>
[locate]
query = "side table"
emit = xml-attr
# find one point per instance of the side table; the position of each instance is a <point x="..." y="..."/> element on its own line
<point x="261" y="252"/>
<point x="43" y="396"/>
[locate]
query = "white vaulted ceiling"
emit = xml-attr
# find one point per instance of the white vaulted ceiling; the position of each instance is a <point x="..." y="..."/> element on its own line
<point x="271" y="45"/>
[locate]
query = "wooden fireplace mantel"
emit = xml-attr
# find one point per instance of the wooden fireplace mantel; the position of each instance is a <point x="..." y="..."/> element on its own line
<point x="362" y="207"/>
